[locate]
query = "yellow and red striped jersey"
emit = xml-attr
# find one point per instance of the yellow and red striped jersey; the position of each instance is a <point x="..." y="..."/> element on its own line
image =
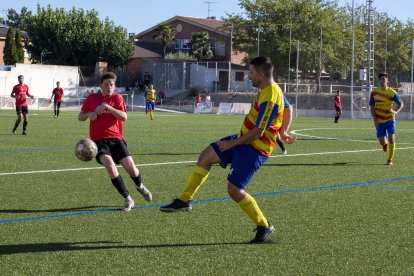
<point x="382" y="101"/>
<point x="150" y="95"/>
<point x="265" y="113"/>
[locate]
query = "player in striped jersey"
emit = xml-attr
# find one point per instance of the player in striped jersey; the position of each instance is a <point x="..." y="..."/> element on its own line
<point x="382" y="101"/>
<point x="150" y="105"/>
<point x="246" y="152"/>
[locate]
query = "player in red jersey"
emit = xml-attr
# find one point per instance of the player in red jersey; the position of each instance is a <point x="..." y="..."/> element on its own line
<point x="106" y="111"/>
<point x="20" y="92"/>
<point x="338" y="106"/>
<point x="58" y="94"/>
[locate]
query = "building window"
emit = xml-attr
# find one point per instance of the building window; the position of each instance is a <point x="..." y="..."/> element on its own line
<point x="239" y="76"/>
<point x="184" y="43"/>
<point x="177" y="43"/>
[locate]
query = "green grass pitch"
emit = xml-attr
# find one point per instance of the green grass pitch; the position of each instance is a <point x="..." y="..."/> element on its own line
<point x="337" y="208"/>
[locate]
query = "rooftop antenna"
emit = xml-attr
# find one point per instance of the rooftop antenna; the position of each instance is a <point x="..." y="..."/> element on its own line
<point x="208" y="7"/>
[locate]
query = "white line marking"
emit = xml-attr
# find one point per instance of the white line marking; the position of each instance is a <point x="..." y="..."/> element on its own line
<point x="193" y="161"/>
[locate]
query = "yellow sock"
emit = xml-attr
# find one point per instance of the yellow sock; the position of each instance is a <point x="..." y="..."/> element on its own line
<point x="250" y="207"/>
<point x="197" y="177"/>
<point x="151" y="115"/>
<point x="391" y="152"/>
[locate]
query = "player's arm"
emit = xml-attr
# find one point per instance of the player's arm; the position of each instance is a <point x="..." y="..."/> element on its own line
<point x="13" y="95"/>
<point x="252" y="135"/>
<point x="400" y="104"/>
<point x="372" y="110"/>
<point x="119" y="114"/>
<point x="118" y="110"/>
<point x="87" y="115"/>
<point x="286" y="122"/>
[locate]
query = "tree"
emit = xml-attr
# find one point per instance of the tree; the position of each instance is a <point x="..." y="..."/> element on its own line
<point x="76" y="37"/>
<point x="166" y="34"/>
<point x="200" y="45"/>
<point x="9" y="51"/>
<point x="15" y="19"/>
<point x="19" y="46"/>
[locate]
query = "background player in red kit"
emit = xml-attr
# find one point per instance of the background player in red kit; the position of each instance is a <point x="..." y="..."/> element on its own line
<point x="20" y="93"/>
<point x="58" y="94"/>
<point x="338" y="106"/>
<point x="106" y="111"/>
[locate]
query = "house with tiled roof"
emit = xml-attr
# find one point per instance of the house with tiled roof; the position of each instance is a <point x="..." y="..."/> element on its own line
<point x="3" y="34"/>
<point x="148" y="50"/>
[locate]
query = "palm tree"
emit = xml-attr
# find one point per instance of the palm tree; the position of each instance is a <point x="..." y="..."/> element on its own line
<point x="166" y="33"/>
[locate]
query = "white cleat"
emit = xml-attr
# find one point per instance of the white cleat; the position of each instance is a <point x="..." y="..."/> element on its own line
<point x="146" y="194"/>
<point x="284" y="152"/>
<point x="129" y="204"/>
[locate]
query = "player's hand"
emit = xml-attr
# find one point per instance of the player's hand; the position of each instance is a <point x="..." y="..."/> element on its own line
<point x="376" y="124"/>
<point x="101" y="108"/>
<point x="287" y="138"/>
<point x="93" y="116"/>
<point x="225" y="145"/>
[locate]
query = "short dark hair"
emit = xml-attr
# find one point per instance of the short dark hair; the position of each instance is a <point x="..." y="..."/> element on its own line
<point x="263" y="64"/>
<point x="20" y="77"/>
<point x="382" y="74"/>
<point x="108" y="75"/>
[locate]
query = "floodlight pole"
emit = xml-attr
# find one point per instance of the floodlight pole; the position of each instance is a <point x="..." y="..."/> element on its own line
<point x="258" y="40"/>
<point x="297" y="79"/>
<point x="412" y="65"/>
<point x="352" y="63"/>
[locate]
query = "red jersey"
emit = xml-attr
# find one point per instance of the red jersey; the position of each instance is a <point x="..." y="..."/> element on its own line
<point x="58" y="94"/>
<point x="21" y="92"/>
<point x="106" y="125"/>
<point x="338" y="101"/>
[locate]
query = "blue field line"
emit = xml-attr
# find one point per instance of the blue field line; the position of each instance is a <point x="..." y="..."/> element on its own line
<point x="308" y="189"/>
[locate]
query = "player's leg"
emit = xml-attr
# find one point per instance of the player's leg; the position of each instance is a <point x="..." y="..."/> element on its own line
<point x="25" y="114"/>
<point x="129" y="166"/>
<point x="58" y="109"/>
<point x="281" y="144"/>
<point x="116" y="179"/>
<point x="382" y="136"/>
<point x="55" y="108"/>
<point x="246" y="162"/>
<point x="209" y="156"/>
<point x="392" y="144"/>
<point x="18" y="120"/>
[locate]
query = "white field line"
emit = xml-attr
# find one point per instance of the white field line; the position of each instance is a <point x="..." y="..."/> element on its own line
<point x="193" y="161"/>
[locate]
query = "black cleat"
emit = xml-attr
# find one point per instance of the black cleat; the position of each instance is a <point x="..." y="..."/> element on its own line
<point x="13" y="131"/>
<point x="262" y="233"/>
<point x="24" y="133"/>
<point x="176" y="206"/>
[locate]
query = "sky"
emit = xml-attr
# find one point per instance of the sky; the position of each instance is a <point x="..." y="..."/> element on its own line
<point x="138" y="15"/>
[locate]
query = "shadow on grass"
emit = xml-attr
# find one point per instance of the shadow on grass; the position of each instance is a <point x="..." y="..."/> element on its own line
<point x="9" y="249"/>
<point x="85" y="208"/>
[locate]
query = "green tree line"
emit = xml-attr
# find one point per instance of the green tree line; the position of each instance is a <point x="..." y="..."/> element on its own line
<point x="281" y="24"/>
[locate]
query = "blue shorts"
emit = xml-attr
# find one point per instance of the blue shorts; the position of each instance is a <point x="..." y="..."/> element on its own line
<point x="386" y="128"/>
<point x="150" y="105"/>
<point x="245" y="161"/>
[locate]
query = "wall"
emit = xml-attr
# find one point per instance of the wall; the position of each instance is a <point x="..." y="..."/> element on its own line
<point x="41" y="79"/>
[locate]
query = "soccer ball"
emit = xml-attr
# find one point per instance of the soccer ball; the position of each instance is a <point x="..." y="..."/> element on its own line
<point x="86" y="150"/>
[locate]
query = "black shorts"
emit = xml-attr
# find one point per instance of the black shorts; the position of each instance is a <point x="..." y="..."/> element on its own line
<point x="57" y="104"/>
<point x="116" y="148"/>
<point x="338" y="109"/>
<point x="22" y="109"/>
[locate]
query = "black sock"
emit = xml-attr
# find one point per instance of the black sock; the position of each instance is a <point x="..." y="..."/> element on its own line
<point x="24" y="126"/>
<point x="16" y="125"/>
<point x="118" y="183"/>
<point x="280" y="143"/>
<point x="137" y="180"/>
<point x="57" y="112"/>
